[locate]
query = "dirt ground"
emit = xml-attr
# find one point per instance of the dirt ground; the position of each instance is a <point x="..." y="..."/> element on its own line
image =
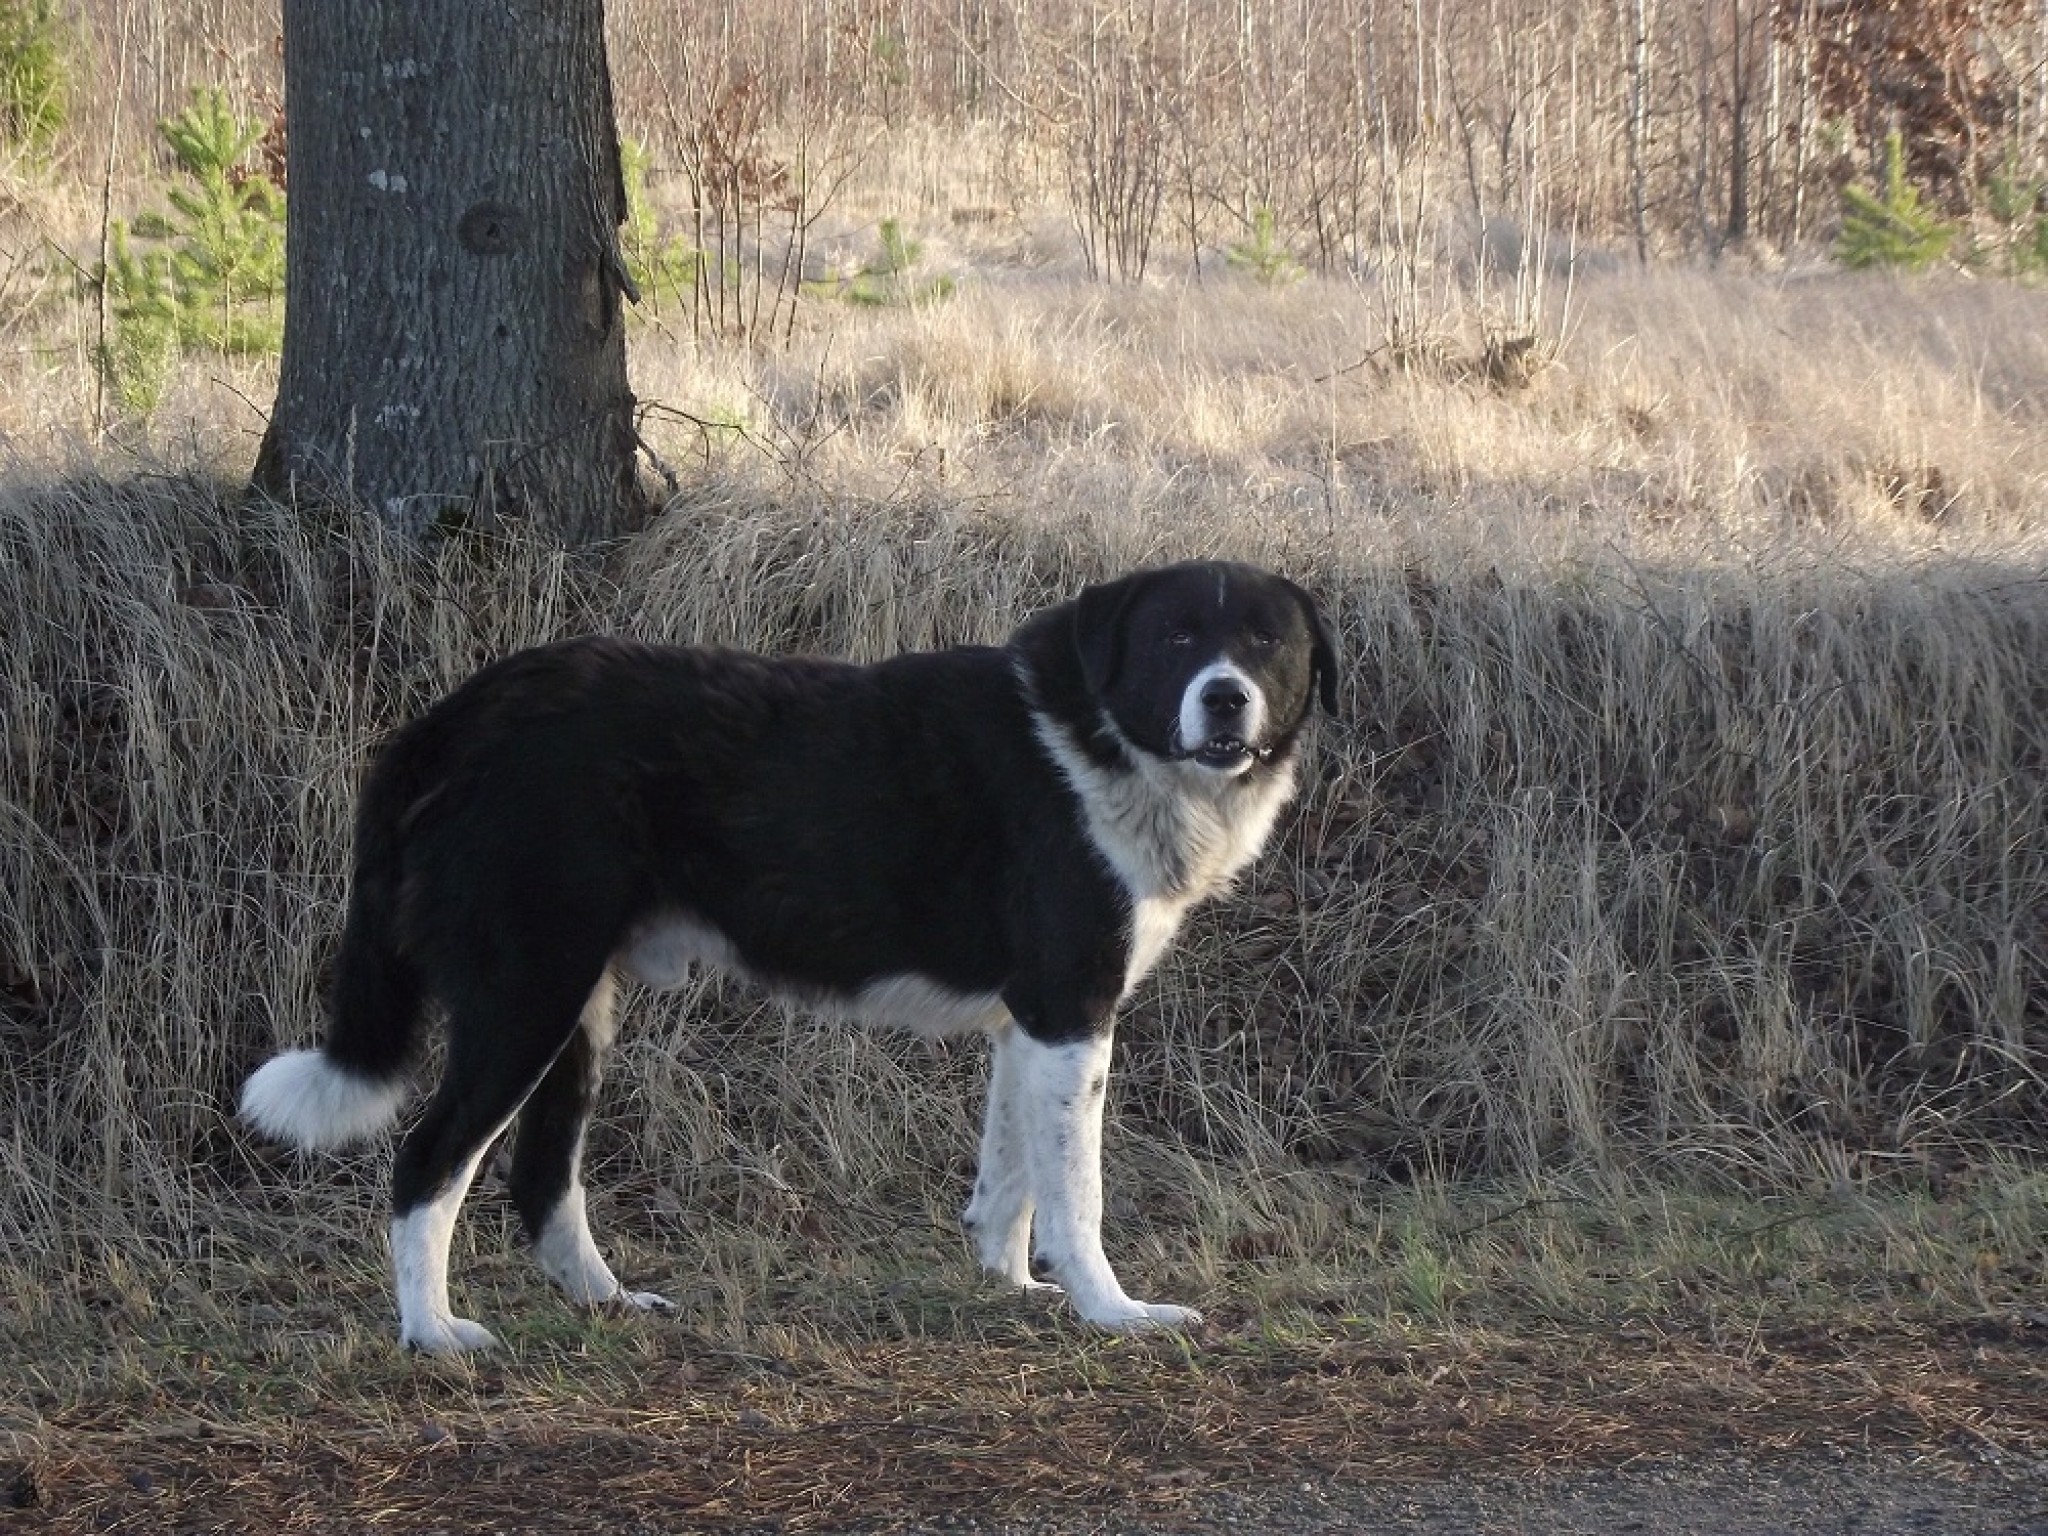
<point x="1873" y="1429"/>
<point x="1713" y="1495"/>
<point x="1719" y="1494"/>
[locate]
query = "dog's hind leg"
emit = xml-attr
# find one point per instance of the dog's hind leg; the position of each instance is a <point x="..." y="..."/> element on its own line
<point x="999" y="1215"/>
<point x="502" y="1042"/>
<point x="421" y="1230"/>
<point x="547" y="1161"/>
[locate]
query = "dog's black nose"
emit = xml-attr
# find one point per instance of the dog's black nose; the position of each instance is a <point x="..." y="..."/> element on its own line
<point x="1225" y="696"/>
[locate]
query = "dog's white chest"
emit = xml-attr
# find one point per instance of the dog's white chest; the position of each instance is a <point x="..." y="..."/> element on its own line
<point x="1154" y="921"/>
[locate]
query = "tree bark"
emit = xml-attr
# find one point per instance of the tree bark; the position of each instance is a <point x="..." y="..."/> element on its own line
<point x="453" y="343"/>
<point x="1742" y="68"/>
<point x="1639" y="128"/>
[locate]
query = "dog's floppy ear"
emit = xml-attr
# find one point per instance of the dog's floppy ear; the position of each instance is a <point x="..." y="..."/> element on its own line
<point x="1323" y="658"/>
<point x="1099" y="629"/>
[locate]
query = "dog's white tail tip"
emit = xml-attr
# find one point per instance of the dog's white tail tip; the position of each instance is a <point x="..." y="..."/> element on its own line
<point x="304" y="1098"/>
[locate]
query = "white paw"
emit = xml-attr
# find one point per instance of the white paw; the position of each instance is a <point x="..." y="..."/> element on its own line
<point x="1005" y="1251"/>
<point x="640" y="1301"/>
<point x="447" y="1336"/>
<point x="1008" y="1268"/>
<point x="1145" y="1317"/>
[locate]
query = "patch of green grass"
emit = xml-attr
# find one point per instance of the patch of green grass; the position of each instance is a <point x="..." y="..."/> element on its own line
<point x="1544" y="1324"/>
<point x="309" y="1312"/>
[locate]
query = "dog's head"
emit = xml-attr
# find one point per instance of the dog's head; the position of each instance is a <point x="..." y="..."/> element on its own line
<point x="1209" y="663"/>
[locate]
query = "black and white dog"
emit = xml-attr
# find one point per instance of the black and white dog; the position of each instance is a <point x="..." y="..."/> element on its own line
<point x="995" y="839"/>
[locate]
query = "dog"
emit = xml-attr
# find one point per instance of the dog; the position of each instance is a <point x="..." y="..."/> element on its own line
<point x="992" y="838"/>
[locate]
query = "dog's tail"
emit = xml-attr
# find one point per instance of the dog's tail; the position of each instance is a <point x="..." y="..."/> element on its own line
<point x="353" y="1087"/>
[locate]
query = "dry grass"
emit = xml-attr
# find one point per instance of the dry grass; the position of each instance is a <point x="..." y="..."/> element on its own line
<point x="252" y="1396"/>
<point x="904" y="1435"/>
<point x="1661" y="936"/>
<point x="1714" y="406"/>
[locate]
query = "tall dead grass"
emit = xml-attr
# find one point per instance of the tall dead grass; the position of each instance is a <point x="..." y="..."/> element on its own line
<point x="1685" y="820"/>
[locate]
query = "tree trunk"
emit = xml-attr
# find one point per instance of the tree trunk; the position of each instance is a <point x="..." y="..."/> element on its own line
<point x="453" y="343"/>
<point x="1741" y="69"/>
<point x="1639" y="128"/>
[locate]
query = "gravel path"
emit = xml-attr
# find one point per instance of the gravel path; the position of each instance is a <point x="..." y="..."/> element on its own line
<point x="1708" y="1495"/>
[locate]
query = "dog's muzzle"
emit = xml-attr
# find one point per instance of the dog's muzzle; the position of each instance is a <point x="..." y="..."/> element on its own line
<point x="1220" y="721"/>
<point x="1227" y="754"/>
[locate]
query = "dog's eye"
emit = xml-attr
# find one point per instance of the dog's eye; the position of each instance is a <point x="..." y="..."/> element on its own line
<point x="1180" y="635"/>
<point x="1264" y="639"/>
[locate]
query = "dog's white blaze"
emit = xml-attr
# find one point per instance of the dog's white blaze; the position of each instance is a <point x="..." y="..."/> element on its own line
<point x="1194" y="715"/>
<point x="304" y="1098"/>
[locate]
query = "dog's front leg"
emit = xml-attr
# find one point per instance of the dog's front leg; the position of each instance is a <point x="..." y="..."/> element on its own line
<point x="999" y="1215"/>
<point x="1059" y="1092"/>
